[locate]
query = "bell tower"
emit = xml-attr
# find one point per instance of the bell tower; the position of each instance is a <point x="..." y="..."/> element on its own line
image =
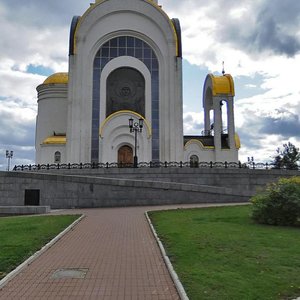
<point x="218" y="108"/>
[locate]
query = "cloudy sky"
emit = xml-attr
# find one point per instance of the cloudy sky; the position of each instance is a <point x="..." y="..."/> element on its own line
<point x="259" y="41"/>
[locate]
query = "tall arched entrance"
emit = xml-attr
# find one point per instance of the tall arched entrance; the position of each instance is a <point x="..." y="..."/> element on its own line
<point x="126" y="87"/>
<point x="125" y="155"/>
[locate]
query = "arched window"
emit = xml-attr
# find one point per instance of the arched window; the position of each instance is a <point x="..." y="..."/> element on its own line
<point x="125" y="91"/>
<point x="194" y="161"/>
<point x="57" y="157"/>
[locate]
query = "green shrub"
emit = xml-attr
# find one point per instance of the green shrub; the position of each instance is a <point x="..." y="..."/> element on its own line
<point x="279" y="203"/>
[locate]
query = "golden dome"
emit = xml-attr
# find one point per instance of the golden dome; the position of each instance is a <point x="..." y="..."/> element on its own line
<point x="222" y="85"/>
<point x="237" y="141"/>
<point x="55" y="140"/>
<point x="61" y="78"/>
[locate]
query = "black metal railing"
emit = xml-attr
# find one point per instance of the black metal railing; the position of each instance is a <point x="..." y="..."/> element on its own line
<point x="151" y="164"/>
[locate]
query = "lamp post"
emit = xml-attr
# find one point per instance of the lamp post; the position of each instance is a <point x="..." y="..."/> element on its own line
<point x="9" y="155"/>
<point x="135" y="127"/>
<point x="251" y="162"/>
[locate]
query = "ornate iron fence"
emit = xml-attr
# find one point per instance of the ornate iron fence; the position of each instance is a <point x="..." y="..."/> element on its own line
<point x="151" y="164"/>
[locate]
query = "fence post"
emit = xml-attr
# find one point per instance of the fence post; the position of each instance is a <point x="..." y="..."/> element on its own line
<point x="226" y="165"/>
<point x="211" y="164"/>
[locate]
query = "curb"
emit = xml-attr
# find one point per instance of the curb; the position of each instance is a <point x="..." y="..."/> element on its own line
<point x="178" y="284"/>
<point x="29" y="260"/>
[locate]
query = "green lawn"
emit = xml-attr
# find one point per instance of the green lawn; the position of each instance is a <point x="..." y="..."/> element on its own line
<point x="20" y="237"/>
<point x="219" y="253"/>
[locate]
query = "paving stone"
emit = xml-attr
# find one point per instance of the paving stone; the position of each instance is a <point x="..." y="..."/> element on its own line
<point x="115" y="248"/>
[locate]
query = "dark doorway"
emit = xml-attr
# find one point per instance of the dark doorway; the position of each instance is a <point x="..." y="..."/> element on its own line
<point x="125" y="156"/>
<point x="125" y="90"/>
<point x="32" y="197"/>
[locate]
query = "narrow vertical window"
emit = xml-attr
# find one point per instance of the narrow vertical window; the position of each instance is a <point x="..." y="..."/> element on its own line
<point x="194" y="161"/>
<point x="57" y="157"/>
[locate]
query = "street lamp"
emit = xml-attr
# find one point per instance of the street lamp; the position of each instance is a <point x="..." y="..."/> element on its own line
<point x="135" y="127"/>
<point x="9" y="155"/>
<point x="251" y="161"/>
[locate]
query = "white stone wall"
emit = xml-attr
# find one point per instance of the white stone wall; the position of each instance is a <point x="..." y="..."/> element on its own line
<point x="51" y="117"/>
<point x="195" y="148"/>
<point x="47" y="153"/>
<point x="107" y="20"/>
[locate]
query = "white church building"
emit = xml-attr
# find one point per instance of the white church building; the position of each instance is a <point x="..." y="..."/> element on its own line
<point x="125" y="63"/>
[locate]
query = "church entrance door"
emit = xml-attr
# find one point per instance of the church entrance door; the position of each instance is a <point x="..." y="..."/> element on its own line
<point x="125" y="156"/>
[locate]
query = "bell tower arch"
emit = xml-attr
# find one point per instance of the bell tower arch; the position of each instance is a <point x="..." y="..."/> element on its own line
<point x="218" y="95"/>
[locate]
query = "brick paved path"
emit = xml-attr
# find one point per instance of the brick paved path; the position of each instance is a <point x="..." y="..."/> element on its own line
<point x="119" y="251"/>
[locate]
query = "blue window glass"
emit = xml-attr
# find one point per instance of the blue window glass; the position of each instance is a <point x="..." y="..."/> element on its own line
<point x="155" y="114"/>
<point x="122" y="51"/>
<point x="130" y="42"/>
<point x="120" y="46"/>
<point x="113" y="43"/>
<point x="95" y="143"/>
<point x="155" y="65"/>
<point x="104" y="52"/>
<point x="130" y="51"/>
<point x="155" y="154"/>
<point x="155" y="144"/>
<point x="96" y="85"/>
<point x="106" y="45"/>
<point x="122" y="41"/>
<point x="97" y="63"/>
<point x="139" y="53"/>
<point x="113" y="52"/>
<point x="147" y="62"/>
<point x="95" y="114"/>
<point x="154" y="74"/>
<point x="96" y="74"/>
<point x="104" y="61"/>
<point x="147" y="53"/>
<point x="138" y="43"/>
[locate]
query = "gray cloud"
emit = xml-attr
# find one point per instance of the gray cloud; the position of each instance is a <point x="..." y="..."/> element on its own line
<point x="14" y="132"/>
<point x="274" y="28"/>
<point x="287" y="127"/>
<point x="283" y="123"/>
<point x="44" y="13"/>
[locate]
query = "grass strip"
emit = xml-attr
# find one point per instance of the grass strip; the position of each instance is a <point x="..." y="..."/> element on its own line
<point x="21" y="237"/>
<point x="220" y="253"/>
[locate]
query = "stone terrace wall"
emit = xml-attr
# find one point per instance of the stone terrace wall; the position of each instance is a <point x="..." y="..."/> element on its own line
<point x="238" y="179"/>
<point x="127" y="187"/>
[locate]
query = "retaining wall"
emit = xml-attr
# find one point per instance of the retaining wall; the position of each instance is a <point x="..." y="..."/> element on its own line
<point x="125" y="187"/>
<point x="250" y="180"/>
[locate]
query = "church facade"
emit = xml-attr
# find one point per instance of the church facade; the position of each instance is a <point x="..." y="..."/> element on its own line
<point x="125" y="63"/>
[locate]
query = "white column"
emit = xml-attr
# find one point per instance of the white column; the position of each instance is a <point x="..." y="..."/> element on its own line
<point x="217" y="125"/>
<point x="231" y="127"/>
